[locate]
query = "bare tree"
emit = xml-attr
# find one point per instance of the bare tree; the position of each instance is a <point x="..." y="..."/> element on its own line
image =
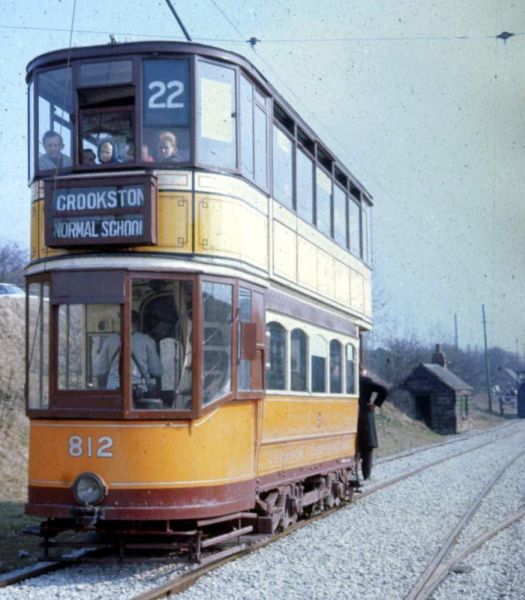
<point x="13" y="258"/>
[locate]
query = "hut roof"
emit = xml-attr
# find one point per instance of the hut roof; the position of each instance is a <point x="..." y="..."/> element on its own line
<point x="447" y="377"/>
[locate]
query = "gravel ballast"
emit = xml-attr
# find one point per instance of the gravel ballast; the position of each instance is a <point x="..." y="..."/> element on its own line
<point x="375" y="548"/>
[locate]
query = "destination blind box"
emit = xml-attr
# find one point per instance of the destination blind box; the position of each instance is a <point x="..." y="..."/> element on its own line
<point x="115" y="211"/>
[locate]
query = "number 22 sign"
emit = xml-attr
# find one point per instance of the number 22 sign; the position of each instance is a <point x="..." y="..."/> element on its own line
<point x="165" y="93"/>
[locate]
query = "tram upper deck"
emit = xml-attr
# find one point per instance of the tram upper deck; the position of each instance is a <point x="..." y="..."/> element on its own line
<point x="175" y="155"/>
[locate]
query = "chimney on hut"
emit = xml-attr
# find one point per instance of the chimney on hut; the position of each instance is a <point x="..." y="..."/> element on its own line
<point x="439" y="358"/>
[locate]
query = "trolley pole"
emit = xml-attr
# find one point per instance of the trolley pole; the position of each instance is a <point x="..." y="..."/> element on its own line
<point x="487" y="362"/>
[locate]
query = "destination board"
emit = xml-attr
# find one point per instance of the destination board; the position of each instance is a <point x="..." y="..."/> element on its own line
<point x="121" y="211"/>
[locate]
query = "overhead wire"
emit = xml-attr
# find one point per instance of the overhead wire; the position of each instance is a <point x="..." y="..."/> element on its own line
<point x="424" y="237"/>
<point x="355" y="39"/>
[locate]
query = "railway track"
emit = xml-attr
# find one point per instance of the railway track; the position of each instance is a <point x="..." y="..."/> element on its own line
<point x="179" y="584"/>
<point x="249" y="544"/>
<point x="442" y="564"/>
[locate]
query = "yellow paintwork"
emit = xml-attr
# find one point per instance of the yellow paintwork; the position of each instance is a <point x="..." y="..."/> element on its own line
<point x="227" y="218"/>
<point x="174" y="224"/>
<point x="237" y="442"/>
<point x="214" y="450"/>
<point x="226" y="226"/>
<point x="301" y="430"/>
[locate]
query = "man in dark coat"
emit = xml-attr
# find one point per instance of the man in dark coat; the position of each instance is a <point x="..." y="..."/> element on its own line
<point x="371" y="394"/>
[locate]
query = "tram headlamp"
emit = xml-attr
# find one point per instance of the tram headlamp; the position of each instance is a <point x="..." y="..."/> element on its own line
<point x="89" y="489"/>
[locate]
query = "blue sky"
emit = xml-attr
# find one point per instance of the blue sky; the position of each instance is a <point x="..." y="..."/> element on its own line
<point x="418" y="98"/>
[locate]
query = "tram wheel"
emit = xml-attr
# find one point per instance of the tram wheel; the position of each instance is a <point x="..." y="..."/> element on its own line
<point x="366" y="462"/>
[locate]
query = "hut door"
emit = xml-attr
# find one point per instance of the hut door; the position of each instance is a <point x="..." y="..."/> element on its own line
<point x="424" y="409"/>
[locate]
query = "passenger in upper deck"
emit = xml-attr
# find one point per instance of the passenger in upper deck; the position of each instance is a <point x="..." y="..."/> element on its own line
<point x="146" y="156"/>
<point x="167" y="147"/>
<point x="107" y="152"/>
<point x="88" y="157"/>
<point x="53" y="157"/>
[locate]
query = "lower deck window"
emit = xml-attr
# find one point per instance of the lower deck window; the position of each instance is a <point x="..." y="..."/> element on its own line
<point x="318" y="364"/>
<point x="38" y="345"/>
<point x="276" y="367"/>
<point x="217" y="341"/>
<point x="88" y="337"/>
<point x="161" y="361"/>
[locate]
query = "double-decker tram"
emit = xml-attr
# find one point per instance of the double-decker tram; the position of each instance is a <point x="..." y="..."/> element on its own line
<point x="198" y="284"/>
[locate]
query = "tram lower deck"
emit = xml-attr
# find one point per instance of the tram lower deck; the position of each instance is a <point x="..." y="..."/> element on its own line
<point x="212" y="466"/>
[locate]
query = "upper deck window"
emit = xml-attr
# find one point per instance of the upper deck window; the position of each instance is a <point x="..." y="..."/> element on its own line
<point x="340" y="216"/>
<point x="217" y="116"/>
<point x="101" y="74"/>
<point x="166" y="111"/>
<point x="324" y="202"/>
<point x="305" y="186"/>
<point x="247" y="153"/>
<point x="55" y="108"/>
<point x="367" y="232"/>
<point x="260" y="128"/>
<point x="354" y="226"/>
<point x="283" y="149"/>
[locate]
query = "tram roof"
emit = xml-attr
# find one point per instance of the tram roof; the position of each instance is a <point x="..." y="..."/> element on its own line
<point x="166" y="48"/>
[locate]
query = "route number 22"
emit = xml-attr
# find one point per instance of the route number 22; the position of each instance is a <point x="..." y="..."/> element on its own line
<point x="158" y="98"/>
<point x="101" y="448"/>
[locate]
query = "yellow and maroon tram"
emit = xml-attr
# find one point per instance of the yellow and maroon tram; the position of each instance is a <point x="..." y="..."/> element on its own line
<point x="198" y="284"/>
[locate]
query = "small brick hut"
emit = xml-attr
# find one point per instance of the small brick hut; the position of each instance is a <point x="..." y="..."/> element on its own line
<point x="436" y="396"/>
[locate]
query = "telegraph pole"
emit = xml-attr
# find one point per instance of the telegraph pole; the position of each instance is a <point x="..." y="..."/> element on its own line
<point x="456" y="330"/>
<point x="487" y="362"/>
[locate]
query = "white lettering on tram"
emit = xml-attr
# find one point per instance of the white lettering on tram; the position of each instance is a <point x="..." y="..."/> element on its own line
<point x="91" y="229"/>
<point x="121" y="228"/>
<point x="67" y="230"/>
<point x="99" y="199"/>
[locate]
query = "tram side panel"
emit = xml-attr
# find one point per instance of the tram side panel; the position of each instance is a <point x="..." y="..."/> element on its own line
<point x="153" y="470"/>
<point x="302" y="435"/>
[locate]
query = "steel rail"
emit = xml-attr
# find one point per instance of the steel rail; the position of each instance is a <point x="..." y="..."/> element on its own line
<point x="442" y="572"/>
<point x="419" y="590"/>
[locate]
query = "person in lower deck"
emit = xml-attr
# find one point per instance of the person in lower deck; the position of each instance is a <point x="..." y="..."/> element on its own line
<point x="145" y="361"/>
<point x="371" y="394"/>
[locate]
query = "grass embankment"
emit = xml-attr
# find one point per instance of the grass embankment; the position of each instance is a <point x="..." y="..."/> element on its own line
<point x="16" y="549"/>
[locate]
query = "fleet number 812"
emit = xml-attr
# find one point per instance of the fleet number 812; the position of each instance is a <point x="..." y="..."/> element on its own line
<point x="79" y="446"/>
